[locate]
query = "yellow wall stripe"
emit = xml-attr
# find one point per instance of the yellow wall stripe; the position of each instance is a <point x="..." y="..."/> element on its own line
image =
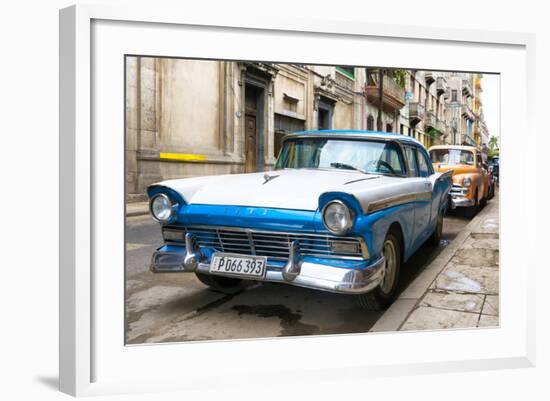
<point x="182" y="157"/>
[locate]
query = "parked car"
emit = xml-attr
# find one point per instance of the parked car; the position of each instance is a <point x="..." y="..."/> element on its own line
<point x="492" y="182"/>
<point x="340" y="212"/>
<point x="471" y="185"/>
<point x="494" y="168"/>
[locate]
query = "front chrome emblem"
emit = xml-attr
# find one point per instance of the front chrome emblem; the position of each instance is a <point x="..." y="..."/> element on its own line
<point x="268" y="178"/>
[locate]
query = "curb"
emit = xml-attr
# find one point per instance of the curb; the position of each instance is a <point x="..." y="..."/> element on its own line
<point x="401" y="308"/>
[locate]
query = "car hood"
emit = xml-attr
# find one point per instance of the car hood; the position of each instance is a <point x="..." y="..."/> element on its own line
<point x="285" y="189"/>
<point x="455" y="168"/>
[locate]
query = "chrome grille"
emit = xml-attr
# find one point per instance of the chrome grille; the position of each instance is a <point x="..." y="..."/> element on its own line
<point x="456" y="190"/>
<point x="272" y="244"/>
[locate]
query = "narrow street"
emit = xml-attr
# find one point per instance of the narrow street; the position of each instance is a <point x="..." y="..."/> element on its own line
<point x="177" y="307"/>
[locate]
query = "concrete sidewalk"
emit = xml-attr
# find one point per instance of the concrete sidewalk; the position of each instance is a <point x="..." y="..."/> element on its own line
<point x="460" y="288"/>
<point x="137" y="209"/>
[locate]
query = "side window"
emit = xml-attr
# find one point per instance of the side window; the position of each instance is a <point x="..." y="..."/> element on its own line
<point x="410" y="154"/>
<point x="423" y="164"/>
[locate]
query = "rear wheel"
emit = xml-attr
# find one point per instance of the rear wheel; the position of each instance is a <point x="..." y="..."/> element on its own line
<point x="227" y="285"/>
<point x="383" y="295"/>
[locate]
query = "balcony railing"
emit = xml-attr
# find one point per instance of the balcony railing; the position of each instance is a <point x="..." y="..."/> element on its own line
<point x="467" y="112"/>
<point x="416" y="112"/>
<point x="441" y="85"/>
<point x="430" y="120"/>
<point x="393" y="94"/>
<point x="429" y="77"/>
<point x="344" y="80"/>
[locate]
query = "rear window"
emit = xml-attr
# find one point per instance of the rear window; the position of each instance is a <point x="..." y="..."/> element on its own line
<point x="452" y="156"/>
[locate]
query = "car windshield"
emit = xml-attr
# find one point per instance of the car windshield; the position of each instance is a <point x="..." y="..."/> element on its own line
<point x="367" y="156"/>
<point x="452" y="156"/>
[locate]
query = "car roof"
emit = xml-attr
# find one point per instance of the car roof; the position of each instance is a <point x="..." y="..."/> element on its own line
<point x="461" y="147"/>
<point x="359" y="134"/>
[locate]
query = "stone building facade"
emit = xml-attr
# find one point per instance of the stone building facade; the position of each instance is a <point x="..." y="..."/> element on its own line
<point x="464" y="104"/>
<point x="425" y="114"/>
<point x="188" y="117"/>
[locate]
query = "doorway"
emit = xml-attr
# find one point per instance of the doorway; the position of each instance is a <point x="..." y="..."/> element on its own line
<point x="254" y="127"/>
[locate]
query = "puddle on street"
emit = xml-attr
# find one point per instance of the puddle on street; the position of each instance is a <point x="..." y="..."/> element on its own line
<point x="290" y="321"/>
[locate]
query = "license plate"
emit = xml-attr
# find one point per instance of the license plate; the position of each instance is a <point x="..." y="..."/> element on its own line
<point x="229" y="264"/>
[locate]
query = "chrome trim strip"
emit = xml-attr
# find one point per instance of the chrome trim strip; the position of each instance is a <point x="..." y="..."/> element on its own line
<point x="398" y="200"/>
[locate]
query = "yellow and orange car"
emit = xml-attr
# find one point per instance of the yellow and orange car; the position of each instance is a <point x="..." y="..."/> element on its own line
<point x="470" y="173"/>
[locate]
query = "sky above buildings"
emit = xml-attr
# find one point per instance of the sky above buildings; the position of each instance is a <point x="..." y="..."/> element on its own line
<point x="491" y="102"/>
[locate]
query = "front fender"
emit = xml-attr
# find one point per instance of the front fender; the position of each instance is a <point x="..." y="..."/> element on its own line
<point x="374" y="227"/>
<point x="475" y="182"/>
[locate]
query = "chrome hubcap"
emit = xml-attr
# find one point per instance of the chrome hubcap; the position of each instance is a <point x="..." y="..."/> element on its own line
<point x="390" y="268"/>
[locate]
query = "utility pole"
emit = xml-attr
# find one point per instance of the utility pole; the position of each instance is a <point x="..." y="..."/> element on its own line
<point x="380" y="98"/>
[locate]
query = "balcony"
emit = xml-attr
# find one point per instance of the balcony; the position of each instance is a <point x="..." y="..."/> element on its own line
<point x="343" y="79"/>
<point x="467" y="112"/>
<point x="467" y="87"/>
<point x="429" y="77"/>
<point x="430" y="120"/>
<point x="416" y="112"/>
<point x="441" y="86"/>
<point x="393" y="94"/>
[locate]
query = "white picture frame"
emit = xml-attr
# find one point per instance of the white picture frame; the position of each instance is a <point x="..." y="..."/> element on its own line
<point x="93" y="358"/>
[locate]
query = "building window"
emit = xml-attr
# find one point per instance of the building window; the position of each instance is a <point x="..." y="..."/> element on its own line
<point x="290" y="103"/>
<point x="454" y="95"/>
<point x="325" y="110"/>
<point x="347" y="71"/>
<point x="389" y="128"/>
<point x="370" y="123"/>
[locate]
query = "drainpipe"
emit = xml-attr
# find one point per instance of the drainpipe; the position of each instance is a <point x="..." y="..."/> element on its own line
<point x="380" y="98"/>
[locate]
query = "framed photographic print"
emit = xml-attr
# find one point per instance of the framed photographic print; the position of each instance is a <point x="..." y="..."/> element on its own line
<point x="251" y="193"/>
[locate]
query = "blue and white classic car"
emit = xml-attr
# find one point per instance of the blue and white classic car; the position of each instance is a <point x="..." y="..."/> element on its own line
<point x="340" y="212"/>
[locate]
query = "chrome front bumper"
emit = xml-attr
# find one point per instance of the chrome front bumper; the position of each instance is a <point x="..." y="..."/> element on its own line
<point x="461" y="201"/>
<point x="296" y="271"/>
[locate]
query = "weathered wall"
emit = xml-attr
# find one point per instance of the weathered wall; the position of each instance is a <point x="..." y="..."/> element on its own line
<point x="194" y="109"/>
<point x="189" y="100"/>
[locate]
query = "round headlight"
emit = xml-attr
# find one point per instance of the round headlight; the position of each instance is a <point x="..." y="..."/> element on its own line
<point x="337" y="217"/>
<point x="162" y="208"/>
<point x="467" y="181"/>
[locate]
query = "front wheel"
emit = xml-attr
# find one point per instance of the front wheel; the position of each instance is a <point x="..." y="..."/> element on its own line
<point x="472" y="210"/>
<point x="383" y="295"/>
<point x="227" y="285"/>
